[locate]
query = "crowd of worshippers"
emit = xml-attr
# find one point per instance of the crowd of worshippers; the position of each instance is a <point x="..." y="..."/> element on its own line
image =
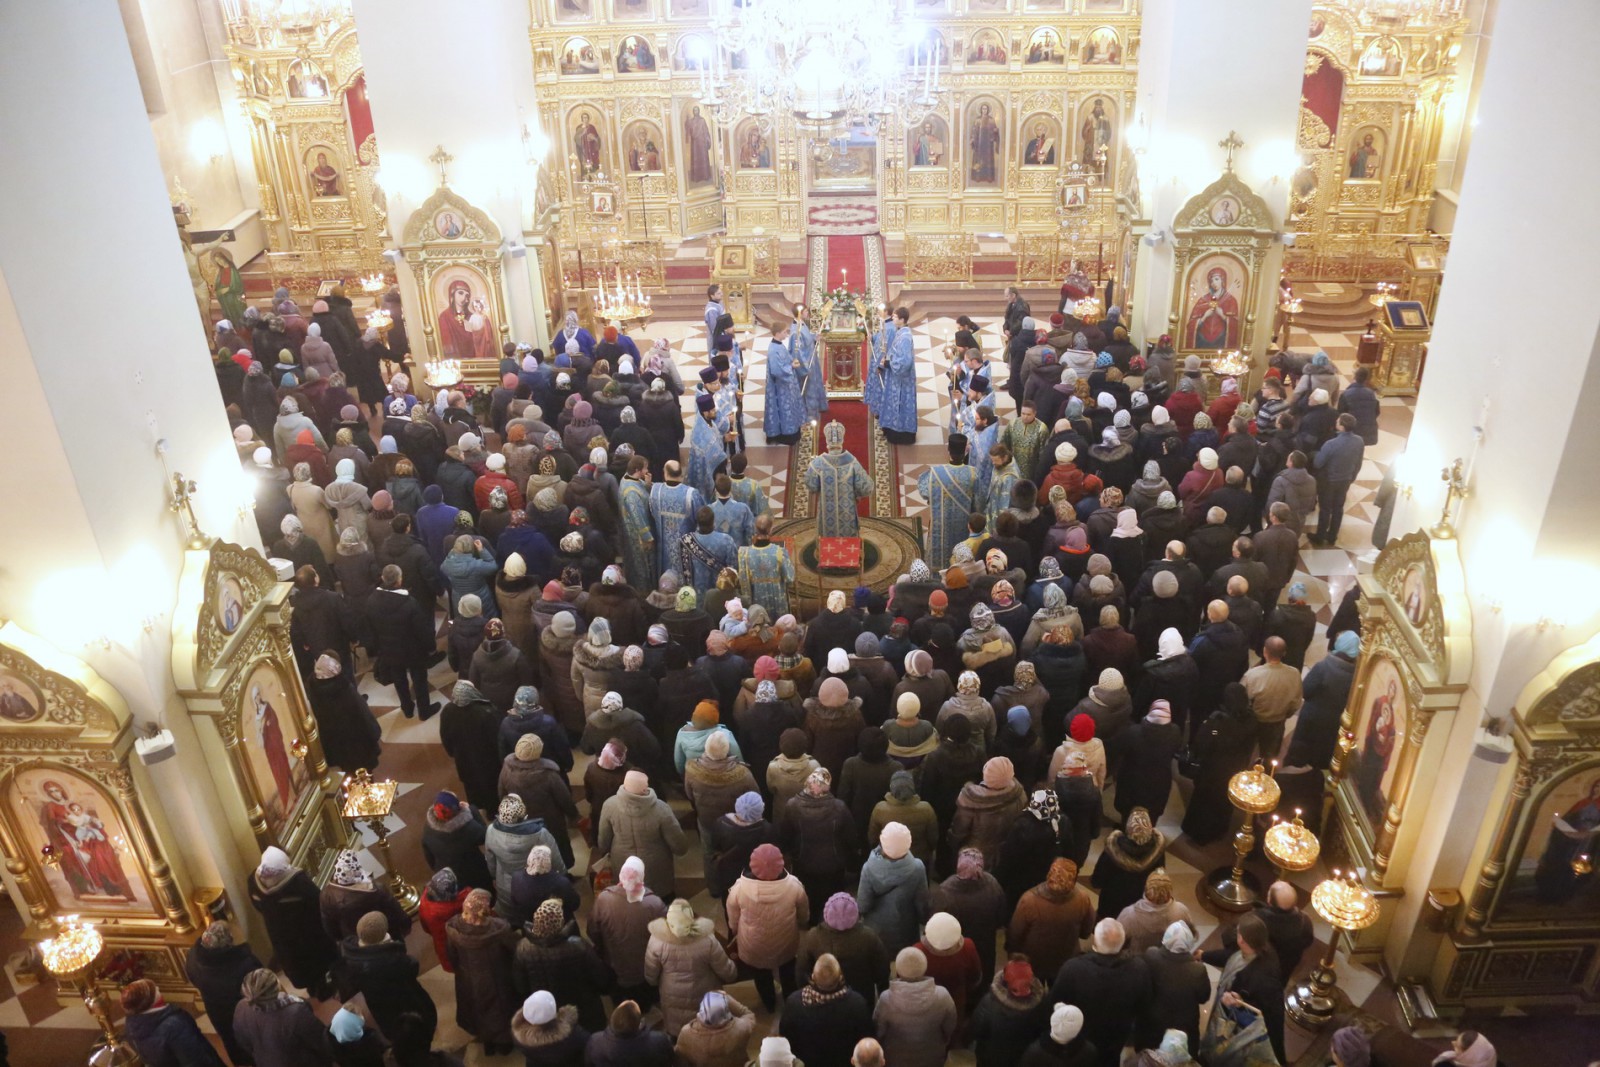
<point x="881" y="794"/>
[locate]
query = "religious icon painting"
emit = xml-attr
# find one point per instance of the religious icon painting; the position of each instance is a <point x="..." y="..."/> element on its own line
<point x="688" y="9"/>
<point x="90" y="868"/>
<point x="1093" y="142"/>
<point x="1318" y="24"/>
<point x="322" y="175"/>
<point x="634" y="56"/>
<point x="466" y="326"/>
<point x="643" y="152"/>
<point x="579" y="57"/>
<point x="1365" y="162"/>
<point x="1216" y="285"/>
<point x="1102" y="47"/>
<point x="20" y="700"/>
<point x="306" y="81"/>
<point x="269" y="728"/>
<point x="987" y="47"/>
<point x="1556" y="867"/>
<point x="1414" y="593"/>
<point x="230" y="603"/>
<point x="1074" y="194"/>
<point x="1224" y="211"/>
<point x="694" y="52"/>
<point x="587" y="147"/>
<point x="630" y="9"/>
<point x="928" y="144"/>
<point x="1045" y="46"/>
<point x="753" y="148"/>
<point x="1381" y="726"/>
<point x="573" y="10"/>
<point x="1041" y="148"/>
<point x="699" y="149"/>
<point x="448" y="225"/>
<point x="1382" y="59"/>
<point x="984" y="136"/>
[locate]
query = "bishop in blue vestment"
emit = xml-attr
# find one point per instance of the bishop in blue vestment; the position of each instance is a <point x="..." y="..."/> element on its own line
<point x="836" y="480"/>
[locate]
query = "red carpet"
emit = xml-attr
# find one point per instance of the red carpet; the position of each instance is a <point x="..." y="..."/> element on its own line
<point x="850" y="254"/>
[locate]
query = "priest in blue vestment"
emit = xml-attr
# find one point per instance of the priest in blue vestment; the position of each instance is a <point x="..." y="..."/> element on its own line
<point x="747" y="489"/>
<point x="707" y="446"/>
<point x="997" y="496"/>
<point x="948" y="489"/>
<point x="639" y="557"/>
<point x="813" y="376"/>
<point x="705" y="552"/>
<point x="877" y="354"/>
<point x="985" y="433"/>
<point x="733" y="517"/>
<point x="672" y="508"/>
<point x="785" y="408"/>
<point x="897" y="411"/>
<point x="765" y="571"/>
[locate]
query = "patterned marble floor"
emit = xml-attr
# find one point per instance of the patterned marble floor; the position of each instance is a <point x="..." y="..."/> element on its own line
<point x="40" y="1031"/>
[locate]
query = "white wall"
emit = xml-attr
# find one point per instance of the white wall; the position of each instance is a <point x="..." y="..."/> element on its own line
<point x="98" y="366"/>
<point x="1527" y="531"/>
<point x="1205" y="70"/>
<point x="467" y="100"/>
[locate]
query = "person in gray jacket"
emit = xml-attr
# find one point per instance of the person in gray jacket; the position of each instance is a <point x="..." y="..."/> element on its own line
<point x="1295" y="487"/>
<point x="893" y="892"/>
<point x="1338" y="464"/>
<point x="506" y="845"/>
<point x="636" y="822"/>
<point x="916" y="1017"/>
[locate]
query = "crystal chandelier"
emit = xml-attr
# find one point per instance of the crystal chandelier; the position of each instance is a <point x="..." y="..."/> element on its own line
<point x="832" y="64"/>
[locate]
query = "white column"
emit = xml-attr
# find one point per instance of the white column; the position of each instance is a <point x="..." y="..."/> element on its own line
<point x="103" y="356"/>
<point x="1204" y="70"/>
<point x="1527" y="531"/>
<point x="472" y="97"/>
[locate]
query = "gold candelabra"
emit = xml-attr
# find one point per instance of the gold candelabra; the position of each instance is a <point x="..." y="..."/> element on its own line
<point x="70" y="957"/>
<point x="1290" y="846"/>
<point x="1346" y="905"/>
<point x="371" y="802"/>
<point x="1386" y="292"/>
<point x="442" y="374"/>
<point x="1254" y="792"/>
<point x="1231" y="364"/>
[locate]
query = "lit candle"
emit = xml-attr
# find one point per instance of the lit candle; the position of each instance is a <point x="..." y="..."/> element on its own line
<point x="842" y="278"/>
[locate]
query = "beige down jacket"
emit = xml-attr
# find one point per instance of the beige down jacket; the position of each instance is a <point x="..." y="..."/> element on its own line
<point x="766" y="918"/>
<point x="685" y="969"/>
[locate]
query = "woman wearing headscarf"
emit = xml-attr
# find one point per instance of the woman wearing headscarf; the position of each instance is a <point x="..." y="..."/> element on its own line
<point x="1146" y="920"/>
<point x="351" y="894"/>
<point x="685" y="962"/>
<point x="1222" y="747"/>
<point x="442" y="900"/>
<point x="714" y="781"/>
<point x="1143" y="754"/>
<point x="571" y="331"/>
<point x="1127" y="548"/>
<point x="348" y="497"/>
<point x="767" y="908"/>
<point x="552" y="957"/>
<point x="1031" y="844"/>
<point x="892" y="892"/>
<point x="507" y="844"/>
<point x="1129" y="857"/>
<point x="985" y="810"/>
<point x="316" y="521"/>
<point x="290" y="907"/>
<point x="556" y="644"/>
<point x="733" y="838"/>
<point x="350" y="735"/>
<point x="217" y="967"/>
<point x="1052" y="919"/>
<point x="816" y="831"/>
<point x="718" y="1034"/>
<point x="1183" y="405"/>
<point x="1179" y="985"/>
<point x="989" y="650"/>
<point x="354" y="566"/>
<point x="469" y="730"/>
<point x="1112" y="460"/>
<point x="275" y="1029"/>
<point x="540" y="881"/>
<point x="479" y="946"/>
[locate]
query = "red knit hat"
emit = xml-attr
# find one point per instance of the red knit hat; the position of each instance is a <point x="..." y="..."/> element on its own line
<point x="1018" y="976"/>
<point x="1082" y="729"/>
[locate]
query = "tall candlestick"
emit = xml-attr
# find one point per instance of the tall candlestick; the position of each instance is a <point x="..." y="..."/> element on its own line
<point x="843" y="277"/>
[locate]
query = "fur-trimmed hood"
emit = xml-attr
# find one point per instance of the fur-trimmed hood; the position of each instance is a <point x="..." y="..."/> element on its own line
<point x="530" y="1036"/>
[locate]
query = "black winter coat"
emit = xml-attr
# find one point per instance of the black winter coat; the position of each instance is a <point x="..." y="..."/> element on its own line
<point x="169" y="1037"/>
<point x="1004" y="1026"/>
<point x="1143" y="756"/>
<point x="218" y="973"/>
<point x="1027" y="852"/>
<point x="343" y="906"/>
<point x="824" y="1032"/>
<point x="569" y="968"/>
<point x="457" y="843"/>
<point x="1179" y="984"/>
<point x="1079" y="1052"/>
<point x="821" y="843"/>
<point x="470" y="735"/>
<point x="1060" y="669"/>
<point x="418" y="574"/>
<point x="1223" y="746"/>
<point x="292" y="913"/>
<point x="399" y="632"/>
<point x="1110" y="991"/>
<point x="1221" y="652"/>
<point x="387" y="977"/>
<point x="643" y="1048"/>
<point x="345" y="723"/>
